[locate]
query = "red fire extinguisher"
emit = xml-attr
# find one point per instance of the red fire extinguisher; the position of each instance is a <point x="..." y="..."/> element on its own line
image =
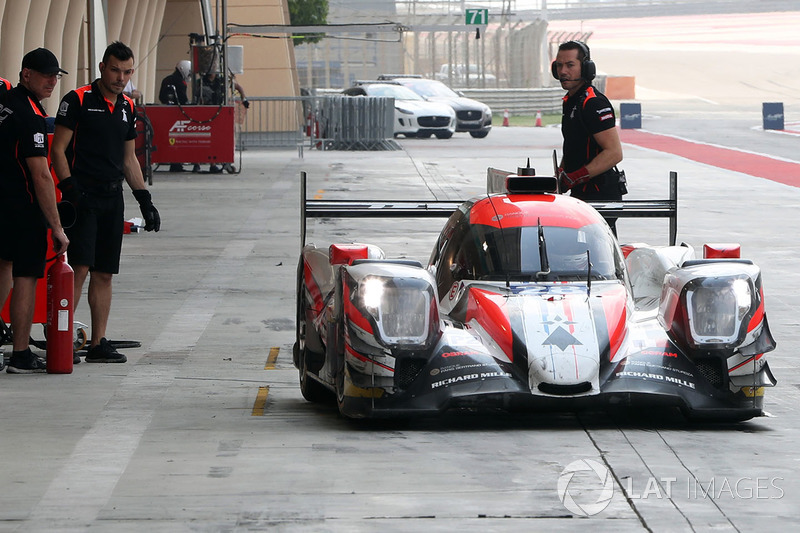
<point x="60" y="295"/>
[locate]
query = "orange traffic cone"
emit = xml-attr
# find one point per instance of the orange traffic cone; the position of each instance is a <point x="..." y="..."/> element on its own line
<point x="538" y="123"/>
<point x="505" y="118"/>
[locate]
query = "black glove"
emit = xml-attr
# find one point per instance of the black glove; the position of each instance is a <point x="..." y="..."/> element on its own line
<point x="70" y="191"/>
<point x="152" y="220"/>
<point x="246" y="104"/>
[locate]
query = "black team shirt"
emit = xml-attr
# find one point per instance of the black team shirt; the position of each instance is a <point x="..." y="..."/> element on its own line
<point x="585" y="113"/>
<point x="23" y="134"/>
<point x="100" y="129"/>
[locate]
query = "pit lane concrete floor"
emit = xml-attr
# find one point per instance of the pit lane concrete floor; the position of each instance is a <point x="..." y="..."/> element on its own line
<point x="204" y="429"/>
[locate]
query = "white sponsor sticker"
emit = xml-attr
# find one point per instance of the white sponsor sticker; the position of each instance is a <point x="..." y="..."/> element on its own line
<point x="63" y="320"/>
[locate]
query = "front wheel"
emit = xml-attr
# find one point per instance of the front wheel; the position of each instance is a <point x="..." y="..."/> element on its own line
<point x="306" y="360"/>
<point x="479" y="134"/>
<point x="312" y="390"/>
<point x="444" y="134"/>
<point x="340" y="390"/>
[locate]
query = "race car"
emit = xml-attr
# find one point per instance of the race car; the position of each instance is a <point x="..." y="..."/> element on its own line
<point x="529" y="302"/>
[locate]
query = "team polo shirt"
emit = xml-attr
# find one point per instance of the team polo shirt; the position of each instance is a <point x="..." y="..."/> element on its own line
<point x="100" y="129"/>
<point x="23" y="134"/>
<point x="585" y="113"/>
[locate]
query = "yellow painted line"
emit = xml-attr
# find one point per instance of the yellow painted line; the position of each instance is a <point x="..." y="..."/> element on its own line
<point x="261" y="401"/>
<point x="273" y="356"/>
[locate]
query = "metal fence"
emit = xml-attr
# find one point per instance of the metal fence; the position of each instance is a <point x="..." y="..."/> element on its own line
<point x="274" y="122"/>
<point x="356" y="123"/>
<point x="519" y="101"/>
<point x="336" y="122"/>
<point x="322" y="122"/>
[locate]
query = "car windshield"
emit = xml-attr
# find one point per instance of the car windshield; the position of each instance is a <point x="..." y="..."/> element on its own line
<point x="490" y="253"/>
<point x="398" y="92"/>
<point x="430" y="88"/>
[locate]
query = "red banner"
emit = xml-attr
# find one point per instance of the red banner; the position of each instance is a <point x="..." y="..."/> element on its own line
<point x="192" y="133"/>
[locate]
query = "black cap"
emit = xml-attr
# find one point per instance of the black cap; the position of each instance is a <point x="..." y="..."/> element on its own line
<point x="42" y="60"/>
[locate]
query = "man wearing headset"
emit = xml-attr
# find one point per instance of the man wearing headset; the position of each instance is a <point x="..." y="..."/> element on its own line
<point x="591" y="143"/>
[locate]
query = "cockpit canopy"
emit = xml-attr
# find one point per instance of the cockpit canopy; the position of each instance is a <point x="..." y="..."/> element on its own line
<point x="497" y="252"/>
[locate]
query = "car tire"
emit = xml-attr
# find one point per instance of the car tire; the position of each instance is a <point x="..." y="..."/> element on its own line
<point x="444" y="134"/>
<point x="340" y="390"/>
<point x="479" y="134"/>
<point x="306" y="360"/>
<point x="312" y="390"/>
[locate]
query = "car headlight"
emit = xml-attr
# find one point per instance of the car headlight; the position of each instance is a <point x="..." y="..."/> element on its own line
<point x="403" y="309"/>
<point x="404" y="110"/>
<point x="715" y="311"/>
<point x="487" y="112"/>
<point x="372" y="293"/>
<point x="712" y="306"/>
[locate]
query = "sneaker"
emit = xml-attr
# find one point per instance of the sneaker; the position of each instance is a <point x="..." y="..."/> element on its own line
<point x="175" y="167"/>
<point x="25" y="362"/>
<point x="104" y="352"/>
<point x="214" y="169"/>
<point x="76" y="359"/>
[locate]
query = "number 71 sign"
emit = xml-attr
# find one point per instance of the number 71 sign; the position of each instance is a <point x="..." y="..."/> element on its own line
<point x="478" y="17"/>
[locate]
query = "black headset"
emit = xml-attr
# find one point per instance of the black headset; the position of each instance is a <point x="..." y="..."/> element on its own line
<point x="588" y="68"/>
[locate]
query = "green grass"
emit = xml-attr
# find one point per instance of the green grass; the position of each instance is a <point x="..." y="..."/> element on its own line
<point x="527" y="120"/>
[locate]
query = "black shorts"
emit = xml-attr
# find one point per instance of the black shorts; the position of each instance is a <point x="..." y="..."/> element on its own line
<point x="23" y="239"/>
<point x="95" y="240"/>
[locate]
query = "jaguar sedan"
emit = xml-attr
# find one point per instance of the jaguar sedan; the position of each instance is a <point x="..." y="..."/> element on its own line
<point x="471" y="115"/>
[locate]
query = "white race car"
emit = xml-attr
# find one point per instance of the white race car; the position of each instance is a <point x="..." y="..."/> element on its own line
<point x="528" y="302"/>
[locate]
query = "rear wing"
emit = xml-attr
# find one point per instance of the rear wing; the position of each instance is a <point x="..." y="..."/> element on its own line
<point x="312" y="208"/>
<point x="647" y="208"/>
<point x="369" y="208"/>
